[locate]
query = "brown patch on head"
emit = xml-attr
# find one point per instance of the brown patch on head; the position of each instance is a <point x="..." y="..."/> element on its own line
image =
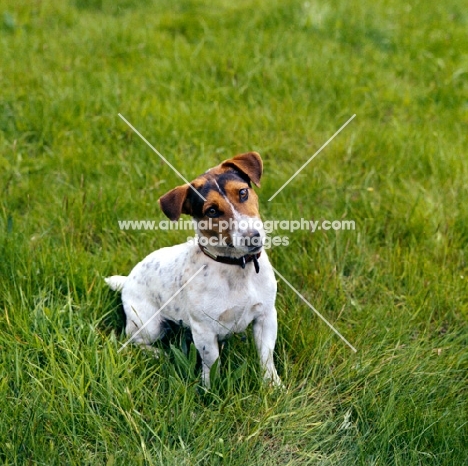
<point x="246" y="205"/>
<point x="210" y="226"/>
<point x="228" y="178"/>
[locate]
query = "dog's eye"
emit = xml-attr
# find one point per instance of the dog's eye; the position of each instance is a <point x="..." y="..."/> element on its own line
<point x="212" y="212"/>
<point x="243" y="194"/>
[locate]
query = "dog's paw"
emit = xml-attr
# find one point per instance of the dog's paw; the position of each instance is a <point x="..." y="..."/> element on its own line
<point x="156" y="352"/>
<point x="274" y="381"/>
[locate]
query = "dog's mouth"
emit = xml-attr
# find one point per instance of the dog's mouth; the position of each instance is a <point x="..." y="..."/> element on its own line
<point x="255" y="249"/>
<point x="251" y="249"/>
<point x="250" y="245"/>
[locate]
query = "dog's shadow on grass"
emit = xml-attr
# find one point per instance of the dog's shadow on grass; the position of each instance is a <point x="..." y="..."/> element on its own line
<point x="114" y="321"/>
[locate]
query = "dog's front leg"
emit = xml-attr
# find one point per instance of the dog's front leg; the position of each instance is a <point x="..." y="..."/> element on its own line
<point x="207" y="345"/>
<point x="265" y="329"/>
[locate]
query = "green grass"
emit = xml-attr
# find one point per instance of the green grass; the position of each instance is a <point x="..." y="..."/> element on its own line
<point x="204" y="81"/>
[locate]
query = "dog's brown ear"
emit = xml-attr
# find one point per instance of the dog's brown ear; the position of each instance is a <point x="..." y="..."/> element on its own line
<point x="249" y="163"/>
<point x="174" y="203"/>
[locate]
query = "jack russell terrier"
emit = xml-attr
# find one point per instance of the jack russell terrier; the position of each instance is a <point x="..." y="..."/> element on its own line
<point x="217" y="285"/>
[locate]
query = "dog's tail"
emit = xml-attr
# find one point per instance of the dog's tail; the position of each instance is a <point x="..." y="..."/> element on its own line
<point x="116" y="282"/>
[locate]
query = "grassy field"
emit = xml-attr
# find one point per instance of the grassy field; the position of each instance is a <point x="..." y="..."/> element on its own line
<point x="203" y="81"/>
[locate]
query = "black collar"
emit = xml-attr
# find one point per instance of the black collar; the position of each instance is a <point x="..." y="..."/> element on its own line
<point x="234" y="260"/>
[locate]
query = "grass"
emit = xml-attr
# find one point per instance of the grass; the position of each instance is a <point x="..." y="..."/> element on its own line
<point x="204" y="81"/>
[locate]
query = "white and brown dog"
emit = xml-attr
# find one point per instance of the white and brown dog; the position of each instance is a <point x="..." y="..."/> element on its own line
<point x="236" y="285"/>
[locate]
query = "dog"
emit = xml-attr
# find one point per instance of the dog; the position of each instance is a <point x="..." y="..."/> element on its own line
<point x="217" y="285"/>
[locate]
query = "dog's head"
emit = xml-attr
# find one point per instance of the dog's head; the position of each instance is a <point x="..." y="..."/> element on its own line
<point x="223" y="205"/>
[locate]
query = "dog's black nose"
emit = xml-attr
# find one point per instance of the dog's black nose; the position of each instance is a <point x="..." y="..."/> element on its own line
<point x="255" y="238"/>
